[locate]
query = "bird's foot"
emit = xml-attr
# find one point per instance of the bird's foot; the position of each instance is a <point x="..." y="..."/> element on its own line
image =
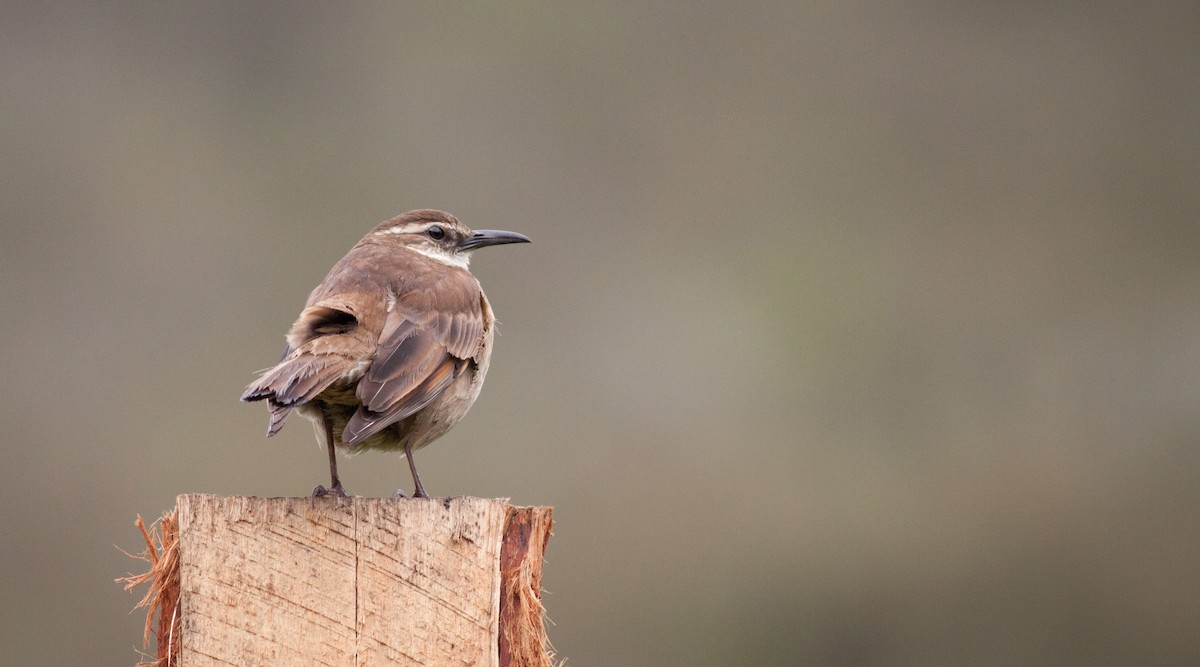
<point x="320" y="492"/>
<point x="399" y="494"/>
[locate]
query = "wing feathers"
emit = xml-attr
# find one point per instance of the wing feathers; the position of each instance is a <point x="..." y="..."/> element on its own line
<point x="330" y="317"/>
<point x="423" y="346"/>
<point x="367" y="422"/>
<point x="309" y="364"/>
<point x="401" y="365"/>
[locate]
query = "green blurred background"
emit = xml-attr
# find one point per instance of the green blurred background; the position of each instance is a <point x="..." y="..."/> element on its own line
<point x="852" y="334"/>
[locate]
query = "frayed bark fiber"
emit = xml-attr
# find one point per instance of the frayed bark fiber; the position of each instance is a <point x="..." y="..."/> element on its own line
<point x="161" y="600"/>
<point x="523" y="638"/>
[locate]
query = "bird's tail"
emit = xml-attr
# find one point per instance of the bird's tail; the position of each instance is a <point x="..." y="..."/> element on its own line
<point x="295" y="382"/>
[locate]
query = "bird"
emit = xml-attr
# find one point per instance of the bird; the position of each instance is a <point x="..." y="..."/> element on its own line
<point x="392" y="348"/>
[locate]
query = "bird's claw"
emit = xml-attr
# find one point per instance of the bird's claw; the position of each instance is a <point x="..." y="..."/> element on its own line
<point x="320" y="492"/>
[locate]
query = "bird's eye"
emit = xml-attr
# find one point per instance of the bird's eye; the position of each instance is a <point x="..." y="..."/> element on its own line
<point x="436" y="233"/>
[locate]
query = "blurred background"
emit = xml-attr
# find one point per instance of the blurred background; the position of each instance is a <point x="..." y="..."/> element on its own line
<point x="851" y="334"/>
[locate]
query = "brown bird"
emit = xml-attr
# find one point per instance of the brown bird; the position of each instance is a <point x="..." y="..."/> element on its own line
<point x="393" y="346"/>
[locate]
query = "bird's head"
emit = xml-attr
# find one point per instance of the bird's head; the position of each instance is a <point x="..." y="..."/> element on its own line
<point x="440" y="236"/>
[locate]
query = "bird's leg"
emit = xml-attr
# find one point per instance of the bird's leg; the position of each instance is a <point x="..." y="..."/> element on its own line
<point x="418" y="490"/>
<point x="335" y="488"/>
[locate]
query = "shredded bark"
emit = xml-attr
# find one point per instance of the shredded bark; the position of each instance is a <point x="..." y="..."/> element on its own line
<point x="161" y="600"/>
<point x="523" y="638"/>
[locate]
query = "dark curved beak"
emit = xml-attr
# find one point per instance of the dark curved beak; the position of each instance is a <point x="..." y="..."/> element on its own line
<point x="486" y="237"/>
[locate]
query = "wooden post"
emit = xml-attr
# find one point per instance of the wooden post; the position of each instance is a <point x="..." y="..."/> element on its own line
<point x="370" y="581"/>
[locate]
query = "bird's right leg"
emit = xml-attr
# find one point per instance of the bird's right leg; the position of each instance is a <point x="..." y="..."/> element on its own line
<point x="418" y="490"/>
<point x="335" y="488"/>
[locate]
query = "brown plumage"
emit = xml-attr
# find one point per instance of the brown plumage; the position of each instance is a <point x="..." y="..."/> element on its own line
<point x="393" y="346"/>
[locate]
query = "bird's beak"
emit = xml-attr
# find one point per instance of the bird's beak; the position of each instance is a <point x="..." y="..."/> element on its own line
<point x="486" y="237"/>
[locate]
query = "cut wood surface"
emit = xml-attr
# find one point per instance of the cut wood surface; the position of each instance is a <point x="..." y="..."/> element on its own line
<point x="372" y="581"/>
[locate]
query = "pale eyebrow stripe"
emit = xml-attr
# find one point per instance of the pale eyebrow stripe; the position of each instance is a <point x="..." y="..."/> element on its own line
<point x="405" y="229"/>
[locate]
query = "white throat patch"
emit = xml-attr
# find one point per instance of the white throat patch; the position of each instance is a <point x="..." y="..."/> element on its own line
<point x="460" y="259"/>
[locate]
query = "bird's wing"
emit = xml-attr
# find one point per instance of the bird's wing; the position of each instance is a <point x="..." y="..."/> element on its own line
<point x="324" y="345"/>
<point x="426" y="343"/>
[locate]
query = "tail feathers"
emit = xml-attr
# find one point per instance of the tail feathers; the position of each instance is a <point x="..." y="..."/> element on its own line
<point x="279" y="414"/>
<point x="298" y="380"/>
<point x="295" y="382"/>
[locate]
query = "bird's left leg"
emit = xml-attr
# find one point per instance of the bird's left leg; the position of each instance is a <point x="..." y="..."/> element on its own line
<point x="335" y="488"/>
